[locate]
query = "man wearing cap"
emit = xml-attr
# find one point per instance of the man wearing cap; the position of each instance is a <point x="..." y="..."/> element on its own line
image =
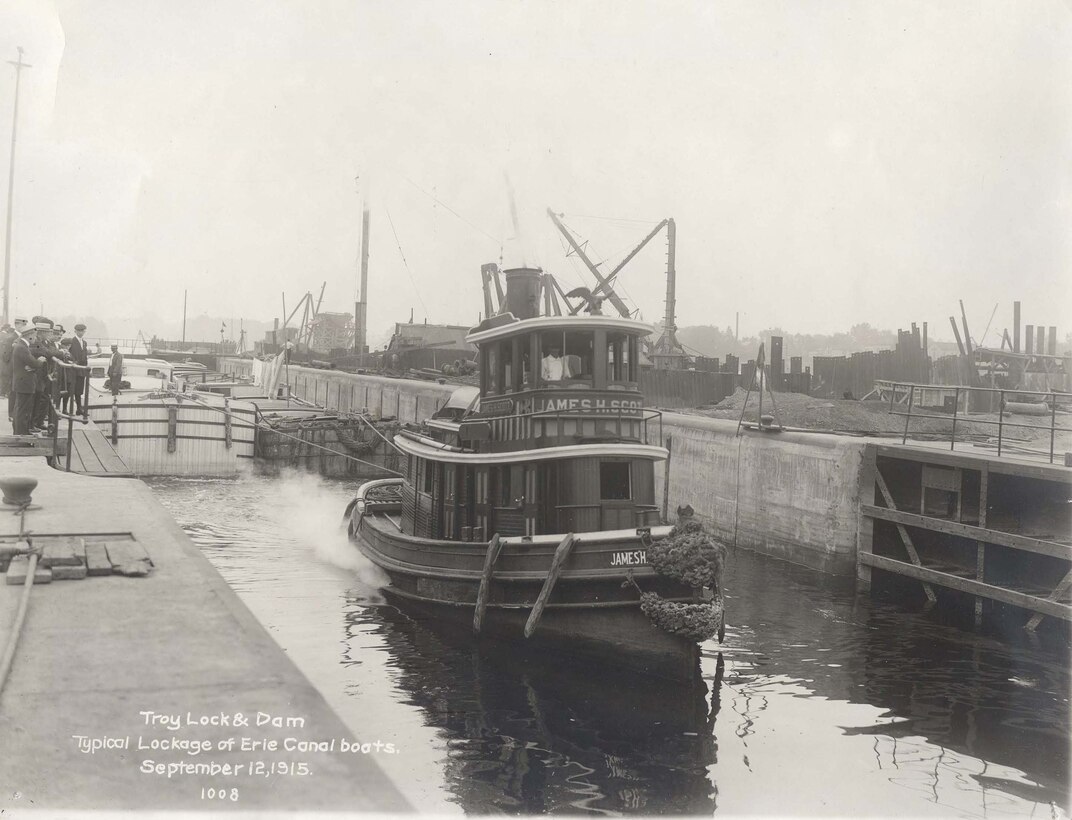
<point x="115" y="370"/>
<point x="25" y="366"/>
<point x="19" y="329"/>
<point x="42" y="348"/>
<point x="79" y="355"/>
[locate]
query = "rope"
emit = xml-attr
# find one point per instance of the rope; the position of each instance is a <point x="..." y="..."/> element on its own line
<point x="20" y="616"/>
<point x="409" y="273"/>
<point x="381" y="435"/>
<point x="436" y="199"/>
<point x="296" y="438"/>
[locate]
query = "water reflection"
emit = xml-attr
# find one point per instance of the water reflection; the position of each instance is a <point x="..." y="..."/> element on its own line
<point x="529" y="735"/>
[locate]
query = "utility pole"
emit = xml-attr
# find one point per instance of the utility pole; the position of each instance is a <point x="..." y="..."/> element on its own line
<point x="184" y="317"/>
<point x="19" y="66"/>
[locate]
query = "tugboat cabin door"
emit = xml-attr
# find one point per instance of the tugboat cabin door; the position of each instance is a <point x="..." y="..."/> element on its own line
<point x="615" y="496"/>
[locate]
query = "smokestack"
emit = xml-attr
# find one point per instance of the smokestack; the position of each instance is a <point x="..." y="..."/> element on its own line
<point x="1015" y="327"/>
<point x="361" y="308"/>
<point x="523" y="292"/>
<point x="1040" y="342"/>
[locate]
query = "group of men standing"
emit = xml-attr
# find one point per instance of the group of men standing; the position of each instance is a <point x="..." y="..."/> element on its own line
<point x="28" y="355"/>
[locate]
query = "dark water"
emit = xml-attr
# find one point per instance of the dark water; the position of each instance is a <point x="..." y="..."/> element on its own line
<point x="819" y="702"/>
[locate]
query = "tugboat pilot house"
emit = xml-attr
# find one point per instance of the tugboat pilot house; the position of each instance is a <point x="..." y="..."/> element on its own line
<point x="557" y="439"/>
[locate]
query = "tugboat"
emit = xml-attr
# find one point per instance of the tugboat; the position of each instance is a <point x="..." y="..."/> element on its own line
<point x="526" y="507"/>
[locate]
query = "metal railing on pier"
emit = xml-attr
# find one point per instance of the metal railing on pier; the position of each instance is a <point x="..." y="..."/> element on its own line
<point x="61" y="395"/>
<point x="1052" y="403"/>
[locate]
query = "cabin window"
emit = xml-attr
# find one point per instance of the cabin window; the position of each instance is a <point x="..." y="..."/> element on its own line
<point x="97" y="373"/>
<point x="617" y="357"/>
<point x="502" y="488"/>
<point x="491" y="367"/>
<point x="429" y="474"/>
<point x="566" y="355"/>
<point x="525" y="357"/>
<point x="579" y="354"/>
<point x="614" y="481"/>
<point x="509" y="490"/>
<point x="552" y="363"/>
<point x="506" y="365"/>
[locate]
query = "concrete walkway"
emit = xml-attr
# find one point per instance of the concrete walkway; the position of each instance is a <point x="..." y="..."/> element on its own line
<point x="97" y="654"/>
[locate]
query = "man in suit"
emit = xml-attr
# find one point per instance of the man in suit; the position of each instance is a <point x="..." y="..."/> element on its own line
<point x="25" y="367"/>
<point x="115" y="370"/>
<point x="7" y="339"/>
<point x="42" y="347"/>
<point x="19" y="329"/>
<point x="79" y="355"/>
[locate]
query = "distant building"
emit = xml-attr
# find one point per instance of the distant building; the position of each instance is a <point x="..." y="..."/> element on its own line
<point x="332" y="331"/>
<point x="273" y="340"/>
<point x="409" y="335"/>
<point x="426" y="345"/>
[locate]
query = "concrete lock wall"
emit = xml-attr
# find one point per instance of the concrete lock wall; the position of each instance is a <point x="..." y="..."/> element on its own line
<point x="791" y="495"/>
<point x="404" y="399"/>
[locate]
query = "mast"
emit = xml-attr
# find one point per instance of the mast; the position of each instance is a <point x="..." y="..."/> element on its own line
<point x="19" y="66"/>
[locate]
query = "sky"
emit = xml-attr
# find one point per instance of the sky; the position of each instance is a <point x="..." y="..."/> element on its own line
<point x="826" y="164"/>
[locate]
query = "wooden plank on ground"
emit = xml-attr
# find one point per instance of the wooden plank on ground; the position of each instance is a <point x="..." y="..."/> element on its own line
<point x="1006" y="539"/>
<point x="1008" y="596"/>
<point x="97" y="561"/>
<point x="20" y="566"/>
<point x="129" y="558"/>
<point x="60" y="550"/>
<point x="69" y="573"/>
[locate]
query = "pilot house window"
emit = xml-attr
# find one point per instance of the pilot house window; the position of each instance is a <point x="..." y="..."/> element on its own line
<point x="614" y="481"/>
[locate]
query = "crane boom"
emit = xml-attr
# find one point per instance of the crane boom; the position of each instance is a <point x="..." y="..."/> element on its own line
<point x="603" y="280"/>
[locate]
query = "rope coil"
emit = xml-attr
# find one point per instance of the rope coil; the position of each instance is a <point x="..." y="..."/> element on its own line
<point x="690" y="556"/>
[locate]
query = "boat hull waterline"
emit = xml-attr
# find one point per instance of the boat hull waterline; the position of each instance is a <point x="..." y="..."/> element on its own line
<point x="593" y="610"/>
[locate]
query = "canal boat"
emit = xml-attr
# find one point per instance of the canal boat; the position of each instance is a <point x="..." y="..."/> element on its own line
<point x="526" y="506"/>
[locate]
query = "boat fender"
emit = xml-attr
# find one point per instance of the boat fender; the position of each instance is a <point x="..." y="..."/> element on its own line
<point x="349" y="508"/>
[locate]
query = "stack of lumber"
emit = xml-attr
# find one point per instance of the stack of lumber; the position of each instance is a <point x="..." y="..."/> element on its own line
<point x="74" y="557"/>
